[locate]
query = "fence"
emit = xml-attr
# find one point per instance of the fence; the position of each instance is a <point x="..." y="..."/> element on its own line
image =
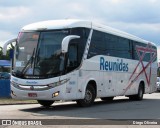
<point x="5" y="88"/>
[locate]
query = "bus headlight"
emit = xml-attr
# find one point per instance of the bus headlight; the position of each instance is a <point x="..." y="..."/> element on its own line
<point x="58" y="83"/>
<point x="55" y="94"/>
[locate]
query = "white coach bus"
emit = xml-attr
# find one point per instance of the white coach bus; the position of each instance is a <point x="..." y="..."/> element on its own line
<point x="79" y="61"/>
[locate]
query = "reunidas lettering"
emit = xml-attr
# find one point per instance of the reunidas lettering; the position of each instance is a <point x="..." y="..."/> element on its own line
<point x="113" y="66"/>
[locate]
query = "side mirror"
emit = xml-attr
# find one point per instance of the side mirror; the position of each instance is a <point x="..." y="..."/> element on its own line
<point x="66" y="41"/>
<point x="6" y="44"/>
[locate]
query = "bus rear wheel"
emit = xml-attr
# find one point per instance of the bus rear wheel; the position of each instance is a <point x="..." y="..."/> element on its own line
<point x="45" y="103"/>
<point x="89" y="98"/>
<point x="139" y="96"/>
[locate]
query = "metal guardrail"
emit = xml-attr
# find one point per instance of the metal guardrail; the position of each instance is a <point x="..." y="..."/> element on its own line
<point x="5" y="88"/>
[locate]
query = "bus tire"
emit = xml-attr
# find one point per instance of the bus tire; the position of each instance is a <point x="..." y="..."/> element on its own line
<point x="139" y="96"/>
<point x="107" y="98"/>
<point x="45" y="103"/>
<point x="89" y="98"/>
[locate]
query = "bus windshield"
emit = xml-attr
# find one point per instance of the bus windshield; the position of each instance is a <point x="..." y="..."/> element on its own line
<point x="49" y="57"/>
<point x="39" y="53"/>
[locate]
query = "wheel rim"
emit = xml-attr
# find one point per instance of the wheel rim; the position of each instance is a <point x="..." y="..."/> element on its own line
<point x="88" y="96"/>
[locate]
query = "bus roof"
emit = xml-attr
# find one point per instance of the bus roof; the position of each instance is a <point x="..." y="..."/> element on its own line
<point x="72" y="23"/>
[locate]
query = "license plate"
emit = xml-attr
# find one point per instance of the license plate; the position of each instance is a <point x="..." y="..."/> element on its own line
<point x="32" y="94"/>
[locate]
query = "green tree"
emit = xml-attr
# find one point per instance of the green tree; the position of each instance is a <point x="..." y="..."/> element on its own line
<point x="1" y="54"/>
<point x="7" y="57"/>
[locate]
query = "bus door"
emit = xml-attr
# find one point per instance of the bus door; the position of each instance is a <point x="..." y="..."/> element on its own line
<point x="72" y="73"/>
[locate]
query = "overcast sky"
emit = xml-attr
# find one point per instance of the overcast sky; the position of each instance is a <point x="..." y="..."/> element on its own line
<point x="138" y="17"/>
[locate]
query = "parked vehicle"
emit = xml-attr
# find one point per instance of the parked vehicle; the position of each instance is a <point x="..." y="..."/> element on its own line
<point x="158" y="84"/>
<point x="79" y="61"/>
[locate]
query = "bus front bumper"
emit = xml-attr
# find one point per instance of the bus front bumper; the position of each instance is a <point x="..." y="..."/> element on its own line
<point x="57" y="93"/>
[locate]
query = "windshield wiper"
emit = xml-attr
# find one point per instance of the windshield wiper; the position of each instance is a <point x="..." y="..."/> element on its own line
<point x="30" y="61"/>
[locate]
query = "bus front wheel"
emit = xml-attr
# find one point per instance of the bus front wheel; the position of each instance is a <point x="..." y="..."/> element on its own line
<point x="89" y="98"/>
<point x="45" y="103"/>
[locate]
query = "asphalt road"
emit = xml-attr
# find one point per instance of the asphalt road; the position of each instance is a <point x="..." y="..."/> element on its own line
<point x="120" y="108"/>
